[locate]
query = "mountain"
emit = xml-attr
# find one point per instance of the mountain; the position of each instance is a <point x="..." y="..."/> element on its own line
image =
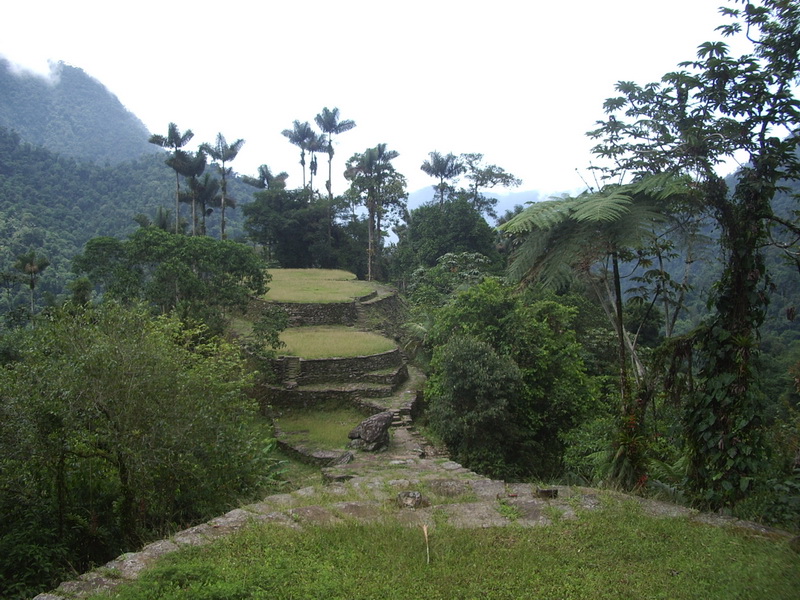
<point x="71" y="114"/>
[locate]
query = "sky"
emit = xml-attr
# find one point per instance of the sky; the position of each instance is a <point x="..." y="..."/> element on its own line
<point x="520" y="81"/>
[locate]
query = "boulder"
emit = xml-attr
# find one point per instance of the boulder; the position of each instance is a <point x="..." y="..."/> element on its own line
<point x="372" y="434"/>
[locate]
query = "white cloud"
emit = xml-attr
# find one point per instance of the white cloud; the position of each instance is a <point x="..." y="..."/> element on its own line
<point x="520" y="82"/>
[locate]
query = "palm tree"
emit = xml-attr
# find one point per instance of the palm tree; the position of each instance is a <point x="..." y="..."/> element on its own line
<point x="266" y="180"/>
<point x="443" y="167"/>
<point x="206" y="193"/>
<point x="316" y="143"/>
<point x="300" y="135"/>
<point x="31" y="266"/>
<point x="175" y="140"/>
<point x="222" y="152"/>
<point x="192" y="168"/>
<point x="328" y="122"/>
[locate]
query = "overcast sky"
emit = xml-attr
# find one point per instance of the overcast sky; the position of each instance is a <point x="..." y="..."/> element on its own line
<point x="520" y="81"/>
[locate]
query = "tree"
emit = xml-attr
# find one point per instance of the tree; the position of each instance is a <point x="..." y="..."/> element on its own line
<point x="222" y="152"/>
<point x="444" y="168"/>
<point x="115" y="427"/>
<point x="194" y="166"/>
<point x="300" y="135"/>
<point x="329" y="123"/>
<point x="485" y="176"/>
<point x="266" y="180"/>
<point x="437" y="229"/>
<point x="174" y="140"/>
<point x="622" y="222"/>
<point x="374" y="179"/>
<point x="205" y="194"/>
<point x="316" y="144"/>
<point x="507" y="380"/>
<point x="197" y="276"/>
<point x="722" y="107"/>
<point x="31" y="265"/>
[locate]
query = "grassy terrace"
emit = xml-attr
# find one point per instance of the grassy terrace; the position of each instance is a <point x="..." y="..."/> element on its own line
<point x="332" y="341"/>
<point x="325" y="429"/>
<point x="316" y="285"/>
<point x="615" y="552"/>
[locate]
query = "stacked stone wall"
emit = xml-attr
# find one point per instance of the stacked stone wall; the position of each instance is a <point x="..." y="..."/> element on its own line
<point x="321" y="370"/>
<point x="337" y="313"/>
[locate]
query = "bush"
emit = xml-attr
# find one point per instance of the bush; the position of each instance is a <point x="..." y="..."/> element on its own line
<point x="533" y="377"/>
<point x="115" y="426"/>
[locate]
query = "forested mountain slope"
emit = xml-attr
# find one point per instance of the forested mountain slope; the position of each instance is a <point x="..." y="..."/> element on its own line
<point x="71" y="114"/>
<point x="53" y="205"/>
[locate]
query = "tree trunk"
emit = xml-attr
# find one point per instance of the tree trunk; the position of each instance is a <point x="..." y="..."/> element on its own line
<point x="371" y="238"/>
<point x="177" y="199"/>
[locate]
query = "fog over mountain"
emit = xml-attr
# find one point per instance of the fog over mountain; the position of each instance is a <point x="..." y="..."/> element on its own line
<point x="71" y="114"/>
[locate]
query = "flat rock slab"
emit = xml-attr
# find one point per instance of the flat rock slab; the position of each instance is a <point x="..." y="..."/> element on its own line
<point x="448" y="488"/>
<point x="518" y="490"/>
<point x="314" y="515"/>
<point x="656" y="508"/>
<point x="278" y="518"/>
<point x="531" y="511"/>
<point x="129" y="565"/>
<point x="486" y="489"/>
<point x="361" y="511"/>
<point x="281" y="500"/>
<point x="473" y="515"/>
<point x="88" y="584"/>
<point x="234" y="520"/>
<point x="194" y="536"/>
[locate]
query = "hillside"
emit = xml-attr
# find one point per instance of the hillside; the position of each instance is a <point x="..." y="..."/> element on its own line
<point x="71" y="114"/>
<point x="358" y="531"/>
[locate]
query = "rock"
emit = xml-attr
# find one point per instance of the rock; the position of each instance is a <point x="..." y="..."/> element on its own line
<point x="547" y="492"/>
<point x="342" y="459"/>
<point x="372" y="434"/>
<point x="449" y="488"/>
<point x="411" y="500"/>
<point x="332" y="476"/>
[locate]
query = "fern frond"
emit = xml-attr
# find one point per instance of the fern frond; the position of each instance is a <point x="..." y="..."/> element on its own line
<point x="604" y="207"/>
<point x="539" y="215"/>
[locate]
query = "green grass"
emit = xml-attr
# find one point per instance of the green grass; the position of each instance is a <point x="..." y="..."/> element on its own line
<point x="332" y="341"/>
<point x="315" y="285"/>
<point x="613" y="553"/>
<point x="324" y="430"/>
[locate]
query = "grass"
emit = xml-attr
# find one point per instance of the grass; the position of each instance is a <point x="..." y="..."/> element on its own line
<point x="333" y="341"/>
<point x="315" y="285"/>
<point x="324" y="430"/>
<point x="616" y="552"/>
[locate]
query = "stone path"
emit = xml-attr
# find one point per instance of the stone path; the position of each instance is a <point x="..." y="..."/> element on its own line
<point x="410" y="482"/>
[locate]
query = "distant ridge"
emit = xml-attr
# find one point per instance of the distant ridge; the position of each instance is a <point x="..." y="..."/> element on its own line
<point x="71" y="114"/>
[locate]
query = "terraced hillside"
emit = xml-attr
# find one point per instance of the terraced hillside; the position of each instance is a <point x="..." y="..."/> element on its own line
<point x="410" y="482"/>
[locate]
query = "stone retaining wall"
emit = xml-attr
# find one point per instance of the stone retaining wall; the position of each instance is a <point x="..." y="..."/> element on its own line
<point x="323" y="370"/>
<point x="337" y="313"/>
<point x="305" y="398"/>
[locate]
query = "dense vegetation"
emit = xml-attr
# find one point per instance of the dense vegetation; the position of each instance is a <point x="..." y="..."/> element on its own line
<point x="640" y="335"/>
<point x="116" y="426"/>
